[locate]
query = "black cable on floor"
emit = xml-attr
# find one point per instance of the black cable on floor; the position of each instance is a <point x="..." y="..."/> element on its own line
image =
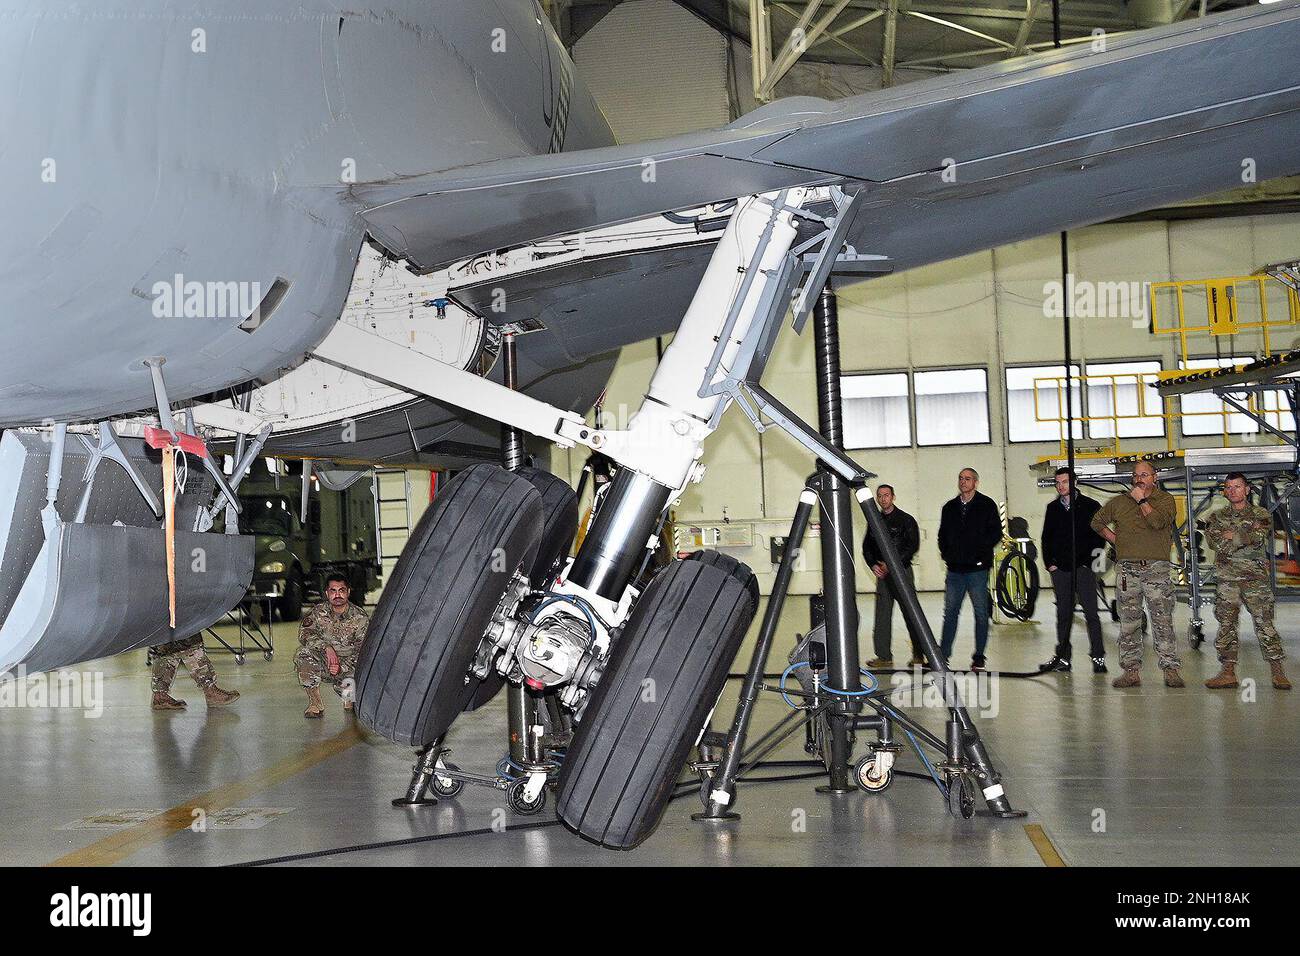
<point x="685" y="788"/>
<point x="390" y="844"/>
<point x="908" y="670"/>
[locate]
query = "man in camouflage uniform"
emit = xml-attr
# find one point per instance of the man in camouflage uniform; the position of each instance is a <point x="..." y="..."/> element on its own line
<point x="1240" y="535"/>
<point x="188" y="651"/>
<point x="330" y="637"/>
<point x="1144" y="520"/>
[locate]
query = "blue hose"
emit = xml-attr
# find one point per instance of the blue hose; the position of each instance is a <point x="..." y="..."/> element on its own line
<point x="925" y="760"/>
<point x="875" y="684"/>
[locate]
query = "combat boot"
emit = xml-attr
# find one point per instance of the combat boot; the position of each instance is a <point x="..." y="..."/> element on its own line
<point x="1173" y="678"/>
<point x="314" y="707"/>
<point x="1130" y="678"/>
<point x="164" y="701"/>
<point x="1279" y="676"/>
<point x="1227" y="676"/>
<point x="216" y="697"/>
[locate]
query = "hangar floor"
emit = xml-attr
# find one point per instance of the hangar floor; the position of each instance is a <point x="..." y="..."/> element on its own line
<point x="1143" y="777"/>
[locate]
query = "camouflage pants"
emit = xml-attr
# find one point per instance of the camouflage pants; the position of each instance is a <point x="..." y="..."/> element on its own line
<point x="1149" y="581"/>
<point x="1258" y="598"/>
<point x="313" y="668"/>
<point x="188" y="651"/>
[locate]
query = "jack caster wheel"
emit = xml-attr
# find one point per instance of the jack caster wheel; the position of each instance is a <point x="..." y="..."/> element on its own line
<point x="517" y="802"/>
<point x="239" y="659"/>
<point x="267" y="654"/>
<point x="865" y="772"/>
<point x="1196" y="637"/>
<point x="446" y="786"/>
<point x="961" y="797"/>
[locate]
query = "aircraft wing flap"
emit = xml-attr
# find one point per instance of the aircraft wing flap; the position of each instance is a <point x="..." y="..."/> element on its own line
<point x="461" y="218"/>
<point x="1014" y="150"/>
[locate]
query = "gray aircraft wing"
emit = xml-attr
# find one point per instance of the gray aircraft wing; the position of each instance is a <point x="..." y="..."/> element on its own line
<point x="944" y="167"/>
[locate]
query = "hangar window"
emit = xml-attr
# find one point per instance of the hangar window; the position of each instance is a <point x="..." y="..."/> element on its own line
<point x="1121" y="390"/>
<point x="1202" y="413"/>
<point x="876" y="413"/>
<point x="1036" y="403"/>
<point x="952" y="406"/>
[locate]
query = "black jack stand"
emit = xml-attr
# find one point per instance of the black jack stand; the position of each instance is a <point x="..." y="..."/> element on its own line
<point x="417" y="792"/>
<point x="965" y="758"/>
<point x="839" y="584"/>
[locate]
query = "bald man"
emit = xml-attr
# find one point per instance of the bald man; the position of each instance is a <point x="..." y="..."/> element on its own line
<point x="1140" y="524"/>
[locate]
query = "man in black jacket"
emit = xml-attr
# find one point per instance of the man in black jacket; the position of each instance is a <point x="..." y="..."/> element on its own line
<point x="1070" y="549"/>
<point x="907" y="539"/>
<point x="969" y="530"/>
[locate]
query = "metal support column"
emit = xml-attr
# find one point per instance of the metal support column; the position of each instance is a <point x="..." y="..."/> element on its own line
<point x="837" y="547"/>
<point x="512" y="439"/>
<point x="522" y="707"/>
<point x="417" y="792"/>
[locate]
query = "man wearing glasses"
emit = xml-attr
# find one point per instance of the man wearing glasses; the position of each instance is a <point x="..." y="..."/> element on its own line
<point x="329" y="639"/>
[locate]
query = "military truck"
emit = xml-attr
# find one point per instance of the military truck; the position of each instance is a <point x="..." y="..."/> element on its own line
<point x="293" y="557"/>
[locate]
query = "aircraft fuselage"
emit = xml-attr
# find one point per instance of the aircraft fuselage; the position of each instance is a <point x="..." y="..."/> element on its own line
<point x="166" y="164"/>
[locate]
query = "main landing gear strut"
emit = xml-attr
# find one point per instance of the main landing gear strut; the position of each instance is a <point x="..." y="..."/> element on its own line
<point x="639" y="670"/>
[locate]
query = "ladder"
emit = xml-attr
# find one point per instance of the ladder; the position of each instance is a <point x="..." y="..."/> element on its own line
<point x="393" y="502"/>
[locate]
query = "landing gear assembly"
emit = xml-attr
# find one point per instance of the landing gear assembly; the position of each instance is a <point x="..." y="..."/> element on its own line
<point x="636" y="674"/>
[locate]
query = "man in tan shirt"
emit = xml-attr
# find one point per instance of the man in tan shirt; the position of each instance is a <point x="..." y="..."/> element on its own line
<point x="1143" y="522"/>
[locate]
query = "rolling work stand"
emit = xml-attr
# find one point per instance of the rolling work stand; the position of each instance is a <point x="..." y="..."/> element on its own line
<point x="964" y="768"/>
<point x="250" y="628"/>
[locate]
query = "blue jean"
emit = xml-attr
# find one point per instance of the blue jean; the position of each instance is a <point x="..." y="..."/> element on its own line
<point x="955" y="589"/>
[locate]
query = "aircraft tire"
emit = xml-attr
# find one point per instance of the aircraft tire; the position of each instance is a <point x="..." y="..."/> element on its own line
<point x="413" y="676"/>
<point x="737" y="569"/>
<point x="663" y="678"/>
<point x="559" y="524"/>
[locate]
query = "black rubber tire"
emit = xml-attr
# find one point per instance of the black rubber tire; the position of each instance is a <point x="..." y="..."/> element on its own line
<point x="961" y="797"/>
<point x="737" y="569"/>
<point x="412" y="677"/>
<point x="559" y="525"/>
<point x="515" y="799"/>
<point x="449" y="790"/>
<point x="627" y="752"/>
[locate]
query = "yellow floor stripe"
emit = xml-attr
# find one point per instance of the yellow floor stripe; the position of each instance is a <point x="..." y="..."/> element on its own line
<point x="1043" y="844"/>
<point x="117" y="847"/>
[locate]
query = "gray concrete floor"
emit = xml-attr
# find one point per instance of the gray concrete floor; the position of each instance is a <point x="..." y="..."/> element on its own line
<point x="1142" y="777"/>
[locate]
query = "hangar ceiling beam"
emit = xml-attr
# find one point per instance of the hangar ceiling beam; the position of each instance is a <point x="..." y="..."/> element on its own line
<point x="836" y="35"/>
<point x="1082" y="15"/>
<point x="890" y="45"/>
<point x="1026" y="27"/>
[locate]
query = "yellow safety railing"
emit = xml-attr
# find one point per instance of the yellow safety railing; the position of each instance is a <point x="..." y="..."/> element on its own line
<point x="1226" y="306"/>
<point x="1128" y="397"/>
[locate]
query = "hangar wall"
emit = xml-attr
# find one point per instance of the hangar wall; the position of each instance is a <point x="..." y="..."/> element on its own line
<point x="982" y="311"/>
